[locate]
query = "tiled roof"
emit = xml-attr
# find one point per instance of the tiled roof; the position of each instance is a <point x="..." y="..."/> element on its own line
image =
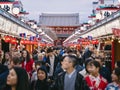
<point x="59" y="19"/>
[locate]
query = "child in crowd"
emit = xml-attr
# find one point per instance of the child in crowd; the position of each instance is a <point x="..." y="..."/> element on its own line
<point x="115" y="85"/>
<point x="95" y="81"/>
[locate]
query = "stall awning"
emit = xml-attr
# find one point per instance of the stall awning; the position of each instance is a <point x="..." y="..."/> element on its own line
<point x="116" y="31"/>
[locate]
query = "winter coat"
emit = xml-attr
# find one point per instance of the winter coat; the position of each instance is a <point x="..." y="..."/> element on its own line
<point x="80" y="83"/>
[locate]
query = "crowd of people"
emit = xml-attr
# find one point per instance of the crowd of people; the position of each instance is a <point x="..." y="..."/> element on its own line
<point x="57" y="69"/>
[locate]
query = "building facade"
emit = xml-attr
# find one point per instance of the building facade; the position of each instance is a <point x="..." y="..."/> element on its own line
<point x="62" y="25"/>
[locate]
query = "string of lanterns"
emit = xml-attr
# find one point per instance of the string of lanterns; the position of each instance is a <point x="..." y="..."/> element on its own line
<point x="13" y="40"/>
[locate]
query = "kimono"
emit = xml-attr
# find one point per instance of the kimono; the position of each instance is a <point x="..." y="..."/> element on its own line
<point x="96" y="83"/>
<point x="113" y="86"/>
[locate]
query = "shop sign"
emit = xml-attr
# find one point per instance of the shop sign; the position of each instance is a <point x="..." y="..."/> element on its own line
<point x="116" y="31"/>
<point x="7" y="7"/>
<point x="23" y="35"/>
<point x="90" y="37"/>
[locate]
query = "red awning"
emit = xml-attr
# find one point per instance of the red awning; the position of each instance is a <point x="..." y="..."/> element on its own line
<point x="116" y="31"/>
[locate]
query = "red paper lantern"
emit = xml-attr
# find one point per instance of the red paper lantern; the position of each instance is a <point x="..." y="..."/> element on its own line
<point x="93" y="41"/>
<point x="13" y="41"/>
<point x="97" y="42"/>
<point x="7" y="39"/>
<point x="83" y="43"/>
<point x="88" y="43"/>
<point x="22" y="41"/>
<point x="26" y="42"/>
<point x="35" y="43"/>
<point x="32" y="42"/>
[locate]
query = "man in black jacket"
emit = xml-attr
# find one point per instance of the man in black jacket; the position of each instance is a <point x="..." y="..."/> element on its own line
<point x="88" y="52"/>
<point x="71" y="79"/>
<point x="51" y="63"/>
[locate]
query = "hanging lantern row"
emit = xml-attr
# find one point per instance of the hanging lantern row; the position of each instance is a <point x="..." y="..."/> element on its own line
<point x="42" y="44"/>
<point x="10" y="39"/>
<point x="90" y="42"/>
<point x="49" y="45"/>
<point x="70" y="44"/>
<point x="94" y="42"/>
<point x="25" y="42"/>
<point x="87" y="40"/>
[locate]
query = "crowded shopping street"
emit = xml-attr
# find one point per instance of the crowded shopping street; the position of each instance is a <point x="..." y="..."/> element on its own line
<point x="59" y="44"/>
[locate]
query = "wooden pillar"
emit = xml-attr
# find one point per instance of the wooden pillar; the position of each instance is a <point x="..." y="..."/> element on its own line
<point x="113" y="55"/>
<point x="0" y="44"/>
<point x="116" y="50"/>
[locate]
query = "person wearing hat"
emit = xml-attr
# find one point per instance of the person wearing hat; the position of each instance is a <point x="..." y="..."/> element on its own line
<point x="71" y="79"/>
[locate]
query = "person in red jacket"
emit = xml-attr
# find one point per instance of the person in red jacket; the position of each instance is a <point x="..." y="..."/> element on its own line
<point x="94" y="80"/>
<point x="27" y="62"/>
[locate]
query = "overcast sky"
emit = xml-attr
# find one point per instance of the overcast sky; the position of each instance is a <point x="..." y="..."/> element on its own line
<point x="36" y="7"/>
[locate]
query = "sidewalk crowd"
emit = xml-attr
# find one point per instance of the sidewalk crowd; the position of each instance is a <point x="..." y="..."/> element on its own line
<point x="57" y="69"/>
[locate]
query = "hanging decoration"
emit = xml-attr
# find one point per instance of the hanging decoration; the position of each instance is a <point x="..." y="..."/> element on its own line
<point x="13" y="41"/>
<point x="23" y="35"/>
<point x="22" y="41"/>
<point x="7" y="39"/>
